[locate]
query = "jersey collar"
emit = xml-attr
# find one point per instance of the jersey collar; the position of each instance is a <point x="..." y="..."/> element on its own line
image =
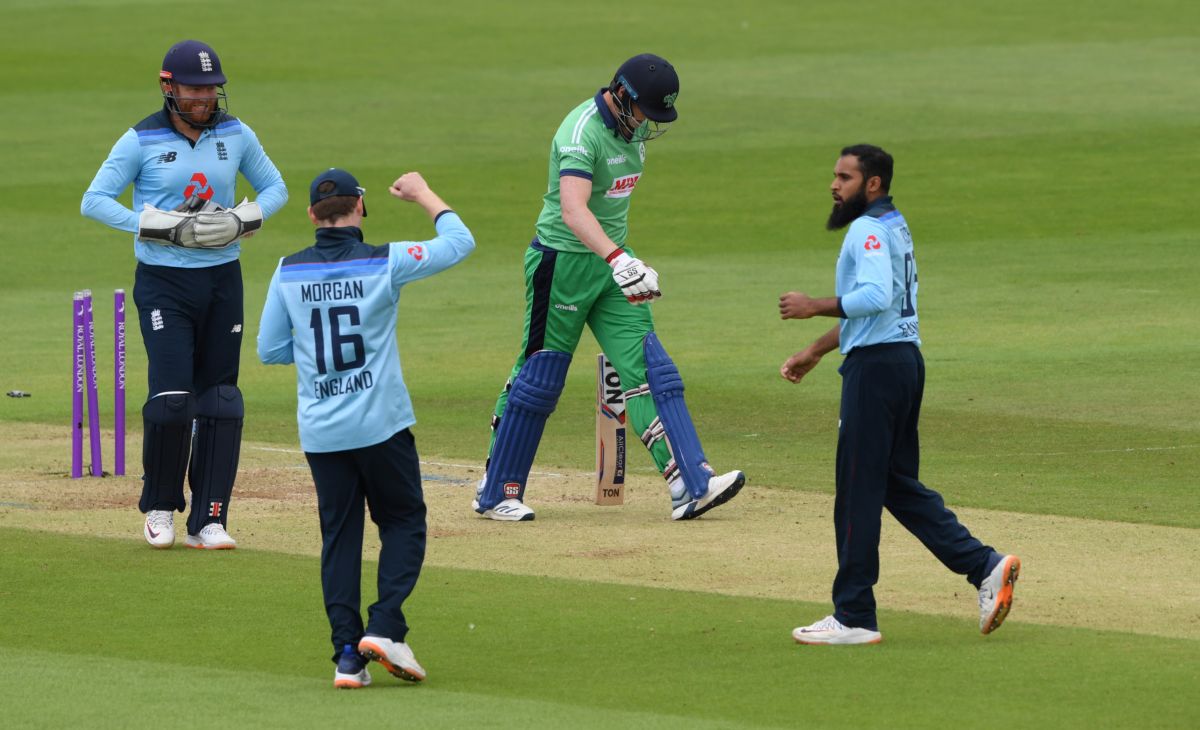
<point x="880" y="207"/>
<point x="338" y="236"/>
<point x="605" y="115"/>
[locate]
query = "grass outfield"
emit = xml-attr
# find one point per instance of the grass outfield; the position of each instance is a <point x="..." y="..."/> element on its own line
<point x="533" y="652"/>
<point x="1045" y="158"/>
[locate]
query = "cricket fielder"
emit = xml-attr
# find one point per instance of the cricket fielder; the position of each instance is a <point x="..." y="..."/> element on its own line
<point x="331" y="309"/>
<point x="883" y="381"/>
<point x="183" y="162"/>
<point x="579" y="271"/>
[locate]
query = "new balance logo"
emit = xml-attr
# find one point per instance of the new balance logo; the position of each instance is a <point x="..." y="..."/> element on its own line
<point x="205" y="61"/>
<point x="237" y="328"/>
<point x="166" y="157"/>
<point x="156" y="320"/>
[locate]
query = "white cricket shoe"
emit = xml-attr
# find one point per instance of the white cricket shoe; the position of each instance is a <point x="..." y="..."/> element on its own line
<point x="159" y="529"/>
<point x="831" y="631"/>
<point x="212" y="537"/>
<point x="996" y="593"/>
<point x="395" y="656"/>
<point x="721" y="489"/>
<point x="510" y="510"/>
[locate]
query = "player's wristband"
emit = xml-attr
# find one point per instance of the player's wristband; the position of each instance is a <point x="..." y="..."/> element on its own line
<point x="609" y="258"/>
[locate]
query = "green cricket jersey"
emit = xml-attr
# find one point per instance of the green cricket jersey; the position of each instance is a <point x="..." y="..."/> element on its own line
<point x="586" y="145"/>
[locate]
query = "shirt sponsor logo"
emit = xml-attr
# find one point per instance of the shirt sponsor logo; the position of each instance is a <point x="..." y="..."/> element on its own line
<point x="166" y="157"/>
<point x="872" y="243"/>
<point x="198" y="186"/>
<point x="576" y="149"/>
<point x="417" y="252"/>
<point x="622" y="187"/>
<point x="618" y="160"/>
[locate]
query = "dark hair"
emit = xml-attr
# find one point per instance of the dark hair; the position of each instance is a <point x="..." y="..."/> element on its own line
<point x="334" y="207"/>
<point x="872" y="162"/>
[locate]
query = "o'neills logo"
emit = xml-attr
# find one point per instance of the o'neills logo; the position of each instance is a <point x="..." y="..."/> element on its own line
<point x="622" y="187"/>
<point x="512" y="490"/>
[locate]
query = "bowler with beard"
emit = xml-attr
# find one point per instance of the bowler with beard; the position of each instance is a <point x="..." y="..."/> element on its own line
<point x="883" y="379"/>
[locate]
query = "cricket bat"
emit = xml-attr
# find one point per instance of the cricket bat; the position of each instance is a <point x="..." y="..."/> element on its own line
<point x="610" y="434"/>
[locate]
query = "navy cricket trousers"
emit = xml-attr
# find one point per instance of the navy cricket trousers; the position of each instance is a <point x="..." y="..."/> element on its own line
<point x="387" y="478"/>
<point x="191" y="321"/>
<point x="878" y="455"/>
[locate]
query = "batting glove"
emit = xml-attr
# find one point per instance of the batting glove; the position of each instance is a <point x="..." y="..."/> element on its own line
<point x="638" y="282"/>
<point x="220" y="228"/>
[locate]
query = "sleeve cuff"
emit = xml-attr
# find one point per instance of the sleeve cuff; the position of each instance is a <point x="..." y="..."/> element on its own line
<point x="575" y="173"/>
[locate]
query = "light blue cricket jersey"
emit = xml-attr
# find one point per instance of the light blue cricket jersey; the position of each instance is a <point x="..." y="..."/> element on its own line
<point x="877" y="280"/>
<point x="165" y="169"/>
<point x="331" y="309"/>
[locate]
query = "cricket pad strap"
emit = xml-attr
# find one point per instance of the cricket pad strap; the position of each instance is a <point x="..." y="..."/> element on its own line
<point x="666" y="387"/>
<point x="531" y="400"/>
<point x="167" y="420"/>
<point x="219" y="414"/>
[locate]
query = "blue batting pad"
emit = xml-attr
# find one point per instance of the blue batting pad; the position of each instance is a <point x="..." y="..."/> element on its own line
<point x="666" y="386"/>
<point x="532" y="399"/>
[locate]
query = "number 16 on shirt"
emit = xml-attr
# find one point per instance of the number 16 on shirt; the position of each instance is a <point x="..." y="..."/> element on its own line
<point x="610" y="434"/>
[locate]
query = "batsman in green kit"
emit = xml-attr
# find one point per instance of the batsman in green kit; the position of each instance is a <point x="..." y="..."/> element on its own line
<point x="580" y="271"/>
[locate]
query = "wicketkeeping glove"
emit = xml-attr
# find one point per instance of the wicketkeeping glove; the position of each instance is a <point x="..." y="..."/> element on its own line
<point x="175" y="227"/>
<point x="222" y="227"/>
<point x="638" y="282"/>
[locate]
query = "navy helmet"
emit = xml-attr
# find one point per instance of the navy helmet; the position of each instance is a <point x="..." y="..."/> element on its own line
<point x="649" y="81"/>
<point x="193" y="63"/>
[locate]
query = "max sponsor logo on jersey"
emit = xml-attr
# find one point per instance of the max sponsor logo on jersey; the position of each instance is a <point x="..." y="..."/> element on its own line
<point x="622" y="187"/>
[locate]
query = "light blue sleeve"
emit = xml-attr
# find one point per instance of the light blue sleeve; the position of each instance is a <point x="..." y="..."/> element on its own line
<point x="275" y="327"/>
<point x="116" y="174"/>
<point x="412" y="260"/>
<point x="262" y="174"/>
<point x="872" y="291"/>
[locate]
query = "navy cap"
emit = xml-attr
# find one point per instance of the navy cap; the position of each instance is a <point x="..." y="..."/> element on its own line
<point x="343" y="184"/>
<point x="651" y="82"/>
<point x="193" y="63"/>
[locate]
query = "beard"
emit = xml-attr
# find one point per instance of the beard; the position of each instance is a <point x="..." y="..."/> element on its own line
<point x="845" y="212"/>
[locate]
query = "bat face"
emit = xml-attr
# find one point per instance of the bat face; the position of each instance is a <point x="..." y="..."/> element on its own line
<point x="610" y="435"/>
